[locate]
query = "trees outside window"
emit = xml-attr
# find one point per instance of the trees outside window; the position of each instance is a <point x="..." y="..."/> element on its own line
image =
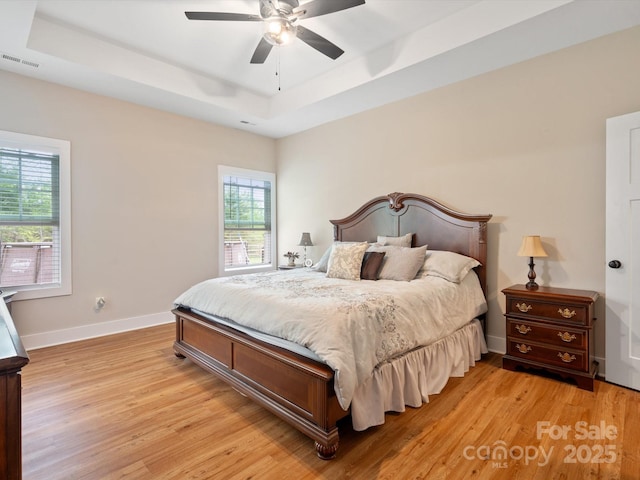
<point x="34" y="215"/>
<point x="247" y="220"/>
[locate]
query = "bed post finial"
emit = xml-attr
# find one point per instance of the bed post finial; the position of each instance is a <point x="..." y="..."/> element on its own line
<point x="394" y="202"/>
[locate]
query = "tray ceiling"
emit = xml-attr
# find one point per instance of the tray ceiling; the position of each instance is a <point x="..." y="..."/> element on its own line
<point x="148" y="52"/>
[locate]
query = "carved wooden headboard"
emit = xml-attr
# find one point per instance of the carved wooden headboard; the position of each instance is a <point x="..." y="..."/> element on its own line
<point x="432" y="224"/>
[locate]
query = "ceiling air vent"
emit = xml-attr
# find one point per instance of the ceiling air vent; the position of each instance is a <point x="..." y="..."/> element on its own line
<point x="13" y="58"/>
<point x="9" y="57"/>
<point x="30" y="64"/>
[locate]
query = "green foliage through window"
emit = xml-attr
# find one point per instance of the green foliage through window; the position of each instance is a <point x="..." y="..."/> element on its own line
<point x="28" y="188"/>
<point x="29" y="217"/>
<point x="247" y="221"/>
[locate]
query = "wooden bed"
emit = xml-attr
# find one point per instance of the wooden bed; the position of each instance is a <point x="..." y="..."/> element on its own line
<point x="299" y="390"/>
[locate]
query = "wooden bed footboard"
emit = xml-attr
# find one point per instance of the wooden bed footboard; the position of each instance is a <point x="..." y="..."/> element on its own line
<point x="297" y="389"/>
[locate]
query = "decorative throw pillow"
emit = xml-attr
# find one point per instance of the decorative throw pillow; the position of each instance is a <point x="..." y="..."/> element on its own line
<point x="448" y="265"/>
<point x="371" y="265"/>
<point x="345" y="260"/>
<point x="323" y="263"/>
<point x="403" y="241"/>
<point x="400" y="263"/>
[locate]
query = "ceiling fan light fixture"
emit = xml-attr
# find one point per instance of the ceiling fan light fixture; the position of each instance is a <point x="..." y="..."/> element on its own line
<point x="279" y="31"/>
<point x="280" y="20"/>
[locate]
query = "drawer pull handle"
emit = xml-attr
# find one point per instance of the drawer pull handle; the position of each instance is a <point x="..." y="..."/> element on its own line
<point x="523" y="329"/>
<point x="566" y="358"/>
<point x="566" y="313"/>
<point x="523" y="307"/>
<point x="566" y="337"/>
<point x="523" y="348"/>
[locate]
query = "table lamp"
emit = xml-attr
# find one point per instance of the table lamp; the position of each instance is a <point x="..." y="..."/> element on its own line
<point x="531" y="247"/>
<point x="305" y="241"/>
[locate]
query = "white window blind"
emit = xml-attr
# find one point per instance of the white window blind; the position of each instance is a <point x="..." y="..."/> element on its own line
<point x="248" y="213"/>
<point x="29" y="218"/>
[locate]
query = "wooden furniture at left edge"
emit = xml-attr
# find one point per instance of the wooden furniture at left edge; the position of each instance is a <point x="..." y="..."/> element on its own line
<point x="13" y="357"/>
<point x="299" y="390"/>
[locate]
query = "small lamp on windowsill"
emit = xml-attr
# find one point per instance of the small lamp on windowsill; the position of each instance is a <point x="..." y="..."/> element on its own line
<point x="305" y="241"/>
<point x="531" y="247"/>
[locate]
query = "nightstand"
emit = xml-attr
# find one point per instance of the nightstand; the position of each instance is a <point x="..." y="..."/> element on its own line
<point x="551" y="329"/>
<point x="288" y="267"/>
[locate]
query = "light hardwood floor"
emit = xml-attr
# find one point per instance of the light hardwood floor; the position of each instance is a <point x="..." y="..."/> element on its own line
<point x="99" y="409"/>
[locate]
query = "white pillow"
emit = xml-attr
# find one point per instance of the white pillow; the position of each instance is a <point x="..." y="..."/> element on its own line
<point x="345" y="260"/>
<point x="448" y="265"/>
<point x="400" y="263"/>
<point x="403" y="241"/>
<point x="322" y="264"/>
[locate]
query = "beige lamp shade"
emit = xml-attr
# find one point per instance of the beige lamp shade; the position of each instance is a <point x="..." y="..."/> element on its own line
<point x="531" y="247"/>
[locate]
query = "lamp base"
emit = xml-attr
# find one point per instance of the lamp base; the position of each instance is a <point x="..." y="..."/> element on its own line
<point x="531" y="285"/>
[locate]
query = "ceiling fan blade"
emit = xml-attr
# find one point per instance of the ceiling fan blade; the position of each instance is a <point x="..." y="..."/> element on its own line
<point x="319" y="43"/>
<point x="315" y="8"/>
<point x="261" y="52"/>
<point x="233" y="17"/>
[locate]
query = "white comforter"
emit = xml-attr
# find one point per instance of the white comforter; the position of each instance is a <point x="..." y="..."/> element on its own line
<point x="351" y="325"/>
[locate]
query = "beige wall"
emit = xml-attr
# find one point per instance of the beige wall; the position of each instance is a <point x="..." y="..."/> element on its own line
<point x="144" y="199"/>
<point x="525" y="143"/>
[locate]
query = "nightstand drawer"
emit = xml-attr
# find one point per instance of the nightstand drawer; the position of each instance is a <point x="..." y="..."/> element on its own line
<point x="562" y="311"/>
<point x="567" y="358"/>
<point x="554" y="335"/>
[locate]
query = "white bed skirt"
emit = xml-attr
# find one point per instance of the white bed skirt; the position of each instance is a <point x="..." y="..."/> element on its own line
<point x="410" y="379"/>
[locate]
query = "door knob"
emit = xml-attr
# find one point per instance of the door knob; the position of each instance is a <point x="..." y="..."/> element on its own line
<point x="615" y="264"/>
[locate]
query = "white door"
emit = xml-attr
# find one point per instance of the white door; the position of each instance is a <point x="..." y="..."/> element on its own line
<point x="623" y="251"/>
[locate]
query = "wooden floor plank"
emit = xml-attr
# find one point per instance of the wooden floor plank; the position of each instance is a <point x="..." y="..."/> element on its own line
<point x="100" y="409"/>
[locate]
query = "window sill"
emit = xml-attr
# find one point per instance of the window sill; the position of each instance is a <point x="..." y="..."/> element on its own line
<point x="32" y="293"/>
<point x="245" y="270"/>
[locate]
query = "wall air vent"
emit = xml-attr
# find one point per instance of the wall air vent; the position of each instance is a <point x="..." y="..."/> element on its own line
<point x="13" y="58"/>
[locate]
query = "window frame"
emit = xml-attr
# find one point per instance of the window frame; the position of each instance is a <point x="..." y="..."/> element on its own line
<point x="62" y="148"/>
<point x="224" y="170"/>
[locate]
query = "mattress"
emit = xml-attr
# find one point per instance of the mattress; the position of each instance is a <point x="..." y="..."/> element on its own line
<point x="352" y="326"/>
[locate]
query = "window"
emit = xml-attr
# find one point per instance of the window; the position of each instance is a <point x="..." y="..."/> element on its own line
<point x="35" y="253"/>
<point x="247" y="220"/>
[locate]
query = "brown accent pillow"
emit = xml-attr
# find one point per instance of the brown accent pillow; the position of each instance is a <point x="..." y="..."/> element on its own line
<point x="371" y="265"/>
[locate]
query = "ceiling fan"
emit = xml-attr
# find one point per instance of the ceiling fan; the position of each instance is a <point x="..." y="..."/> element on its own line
<point x="280" y="19"/>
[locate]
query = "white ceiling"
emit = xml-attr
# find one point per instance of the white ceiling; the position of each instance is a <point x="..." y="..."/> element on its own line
<point x="147" y="52"/>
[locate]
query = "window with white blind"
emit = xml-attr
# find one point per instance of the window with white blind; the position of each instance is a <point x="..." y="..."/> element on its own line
<point x="34" y="215"/>
<point x="247" y="220"/>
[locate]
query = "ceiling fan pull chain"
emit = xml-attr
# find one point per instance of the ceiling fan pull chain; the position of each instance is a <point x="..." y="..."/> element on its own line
<point x="278" y="68"/>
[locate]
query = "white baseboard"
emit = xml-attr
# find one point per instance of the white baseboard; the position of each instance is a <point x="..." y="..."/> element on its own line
<point x="601" y="367"/>
<point x="58" y="337"/>
<point x="497" y="344"/>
